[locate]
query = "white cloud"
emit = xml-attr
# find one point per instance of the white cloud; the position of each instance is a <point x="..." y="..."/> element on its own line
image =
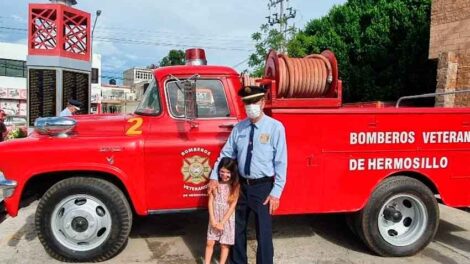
<point x="177" y="24"/>
<point x="19" y="19"/>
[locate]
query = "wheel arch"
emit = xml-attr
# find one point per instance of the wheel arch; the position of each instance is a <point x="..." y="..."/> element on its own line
<point x="38" y="184"/>
<point x="417" y="176"/>
<point x="410" y="174"/>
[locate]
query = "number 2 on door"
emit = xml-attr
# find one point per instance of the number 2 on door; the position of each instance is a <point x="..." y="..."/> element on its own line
<point x="136" y="128"/>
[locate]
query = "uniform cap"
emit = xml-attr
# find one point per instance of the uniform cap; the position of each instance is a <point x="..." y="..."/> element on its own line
<point x="75" y="103"/>
<point x="252" y="93"/>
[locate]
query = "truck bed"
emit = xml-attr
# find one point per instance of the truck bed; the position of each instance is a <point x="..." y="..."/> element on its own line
<point x="342" y="154"/>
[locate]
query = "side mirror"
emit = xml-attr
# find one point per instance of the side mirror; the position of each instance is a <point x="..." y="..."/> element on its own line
<point x="190" y="108"/>
<point x="54" y="126"/>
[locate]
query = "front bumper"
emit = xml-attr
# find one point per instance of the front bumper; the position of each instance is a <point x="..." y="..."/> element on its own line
<point x="7" y="187"/>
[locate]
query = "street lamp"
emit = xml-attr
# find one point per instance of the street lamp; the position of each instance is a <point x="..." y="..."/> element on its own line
<point x="98" y="13"/>
<point x="98" y="107"/>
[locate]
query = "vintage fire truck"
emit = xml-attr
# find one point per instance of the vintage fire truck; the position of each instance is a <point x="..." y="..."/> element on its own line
<point x="384" y="166"/>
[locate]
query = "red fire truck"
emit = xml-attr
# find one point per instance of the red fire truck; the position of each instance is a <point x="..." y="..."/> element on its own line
<point x="384" y="166"/>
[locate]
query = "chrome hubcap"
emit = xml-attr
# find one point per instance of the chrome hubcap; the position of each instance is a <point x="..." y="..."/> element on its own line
<point x="402" y="220"/>
<point x="81" y="222"/>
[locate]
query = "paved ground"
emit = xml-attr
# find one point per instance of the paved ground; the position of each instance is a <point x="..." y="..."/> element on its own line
<point x="180" y="239"/>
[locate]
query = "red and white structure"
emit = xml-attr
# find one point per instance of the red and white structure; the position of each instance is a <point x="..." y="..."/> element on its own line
<point x="59" y="57"/>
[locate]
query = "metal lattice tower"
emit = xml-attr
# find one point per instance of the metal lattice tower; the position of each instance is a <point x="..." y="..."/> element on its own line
<point x="282" y="18"/>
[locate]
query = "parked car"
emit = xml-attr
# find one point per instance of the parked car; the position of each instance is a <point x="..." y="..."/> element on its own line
<point x="13" y="122"/>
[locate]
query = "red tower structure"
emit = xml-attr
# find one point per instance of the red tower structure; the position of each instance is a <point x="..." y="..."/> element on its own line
<point x="59" y="58"/>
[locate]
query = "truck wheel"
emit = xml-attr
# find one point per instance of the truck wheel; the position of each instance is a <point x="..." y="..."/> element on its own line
<point x="400" y="219"/>
<point x="83" y="219"/>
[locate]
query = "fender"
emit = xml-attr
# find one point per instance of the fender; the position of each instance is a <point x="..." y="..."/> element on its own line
<point x="137" y="198"/>
<point x="426" y="179"/>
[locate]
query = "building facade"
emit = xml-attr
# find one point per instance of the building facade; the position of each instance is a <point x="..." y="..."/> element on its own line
<point x="136" y="75"/>
<point x="138" y="79"/>
<point x="13" y="75"/>
<point x="116" y="99"/>
<point x="95" y="93"/>
<point x="450" y="45"/>
<point x="13" y="79"/>
<point x="104" y="98"/>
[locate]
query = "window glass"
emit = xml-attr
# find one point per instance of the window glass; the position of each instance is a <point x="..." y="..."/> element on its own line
<point x="150" y="104"/>
<point x="210" y="99"/>
<point x="94" y="75"/>
<point x="3" y="68"/>
<point x="12" y="68"/>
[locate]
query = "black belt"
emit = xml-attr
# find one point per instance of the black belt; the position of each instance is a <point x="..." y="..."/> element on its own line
<point x="256" y="181"/>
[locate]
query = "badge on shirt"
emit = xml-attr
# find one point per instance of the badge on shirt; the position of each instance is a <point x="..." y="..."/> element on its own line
<point x="264" y="138"/>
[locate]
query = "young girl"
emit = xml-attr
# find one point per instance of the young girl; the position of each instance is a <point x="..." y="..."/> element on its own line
<point x="221" y="210"/>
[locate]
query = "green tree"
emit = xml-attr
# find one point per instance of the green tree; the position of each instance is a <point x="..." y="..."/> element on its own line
<point x="381" y="46"/>
<point x="267" y="38"/>
<point x="174" y="57"/>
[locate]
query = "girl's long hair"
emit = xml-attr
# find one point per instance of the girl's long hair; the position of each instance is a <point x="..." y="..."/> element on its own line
<point x="231" y="165"/>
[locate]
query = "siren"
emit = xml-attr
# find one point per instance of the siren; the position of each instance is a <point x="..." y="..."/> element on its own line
<point x="195" y="57"/>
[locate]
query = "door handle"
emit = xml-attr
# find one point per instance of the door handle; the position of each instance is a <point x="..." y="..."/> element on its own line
<point x="229" y="126"/>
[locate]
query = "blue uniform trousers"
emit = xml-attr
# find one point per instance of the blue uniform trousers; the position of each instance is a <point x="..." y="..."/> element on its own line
<point x="251" y="200"/>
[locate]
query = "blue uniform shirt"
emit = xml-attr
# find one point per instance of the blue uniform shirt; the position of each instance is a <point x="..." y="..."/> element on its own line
<point x="269" y="157"/>
<point x="65" y="112"/>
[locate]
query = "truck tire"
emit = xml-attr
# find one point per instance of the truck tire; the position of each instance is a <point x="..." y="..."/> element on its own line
<point x="400" y="218"/>
<point x="83" y="220"/>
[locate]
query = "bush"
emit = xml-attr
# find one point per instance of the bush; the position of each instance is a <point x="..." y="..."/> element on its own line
<point x="17" y="133"/>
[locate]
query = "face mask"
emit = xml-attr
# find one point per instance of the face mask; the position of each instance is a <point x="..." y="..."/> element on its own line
<point x="253" y="110"/>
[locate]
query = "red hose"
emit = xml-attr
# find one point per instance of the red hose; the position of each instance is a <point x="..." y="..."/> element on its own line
<point x="306" y="77"/>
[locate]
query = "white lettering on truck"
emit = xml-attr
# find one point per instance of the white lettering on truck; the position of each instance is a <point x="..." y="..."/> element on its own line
<point x="403" y="137"/>
<point x="406" y="163"/>
<point x="391" y="137"/>
<point x="446" y="137"/>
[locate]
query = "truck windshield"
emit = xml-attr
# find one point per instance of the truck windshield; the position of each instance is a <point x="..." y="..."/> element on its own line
<point x="150" y="104"/>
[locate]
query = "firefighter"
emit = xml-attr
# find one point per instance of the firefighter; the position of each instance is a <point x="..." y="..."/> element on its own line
<point x="72" y="107"/>
<point x="259" y="144"/>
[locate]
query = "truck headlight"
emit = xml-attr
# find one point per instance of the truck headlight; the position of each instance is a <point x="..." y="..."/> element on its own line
<point x="7" y="187"/>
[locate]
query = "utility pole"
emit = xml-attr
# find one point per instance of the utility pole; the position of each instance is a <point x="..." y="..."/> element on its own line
<point x="282" y="18"/>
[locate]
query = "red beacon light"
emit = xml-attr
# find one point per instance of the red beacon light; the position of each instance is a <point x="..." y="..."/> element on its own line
<point x="195" y="57"/>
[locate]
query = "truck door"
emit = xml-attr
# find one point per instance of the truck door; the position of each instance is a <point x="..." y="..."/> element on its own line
<point x="180" y="154"/>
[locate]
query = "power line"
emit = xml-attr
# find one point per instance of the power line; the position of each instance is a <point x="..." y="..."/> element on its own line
<point x="240" y="63"/>
<point x="173" y="33"/>
<point x="143" y="42"/>
<point x="150" y="43"/>
<point x="179" y="36"/>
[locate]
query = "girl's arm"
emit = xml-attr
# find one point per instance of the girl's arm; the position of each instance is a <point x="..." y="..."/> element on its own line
<point x="230" y="211"/>
<point x="210" y="205"/>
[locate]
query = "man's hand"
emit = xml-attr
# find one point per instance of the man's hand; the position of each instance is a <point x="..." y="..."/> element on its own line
<point x="212" y="187"/>
<point x="273" y="203"/>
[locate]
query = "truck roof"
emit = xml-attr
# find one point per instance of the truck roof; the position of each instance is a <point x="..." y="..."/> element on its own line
<point x="191" y="69"/>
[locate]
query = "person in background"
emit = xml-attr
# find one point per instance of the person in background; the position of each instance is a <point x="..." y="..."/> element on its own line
<point x="72" y="107"/>
<point x="259" y="145"/>
<point x="221" y="210"/>
<point x="3" y="128"/>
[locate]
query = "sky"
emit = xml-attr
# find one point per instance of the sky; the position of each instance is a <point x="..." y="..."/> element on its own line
<point x="143" y="31"/>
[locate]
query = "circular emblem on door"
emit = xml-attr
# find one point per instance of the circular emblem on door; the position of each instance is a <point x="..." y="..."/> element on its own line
<point x="196" y="169"/>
